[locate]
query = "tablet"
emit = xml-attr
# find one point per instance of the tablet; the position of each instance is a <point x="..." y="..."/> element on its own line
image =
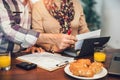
<point x="87" y="47"/>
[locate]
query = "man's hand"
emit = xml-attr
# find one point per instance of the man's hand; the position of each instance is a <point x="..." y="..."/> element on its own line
<point x="33" y="49"/>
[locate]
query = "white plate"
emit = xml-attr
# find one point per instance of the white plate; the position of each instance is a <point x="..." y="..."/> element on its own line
<point x="96" y="76"/>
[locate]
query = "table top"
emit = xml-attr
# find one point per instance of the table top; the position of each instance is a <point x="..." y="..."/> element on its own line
<point x="40" y="74"/>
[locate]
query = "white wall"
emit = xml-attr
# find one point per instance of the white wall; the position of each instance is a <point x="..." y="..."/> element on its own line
<point x="111" y="21"/>
<point x="109" y="11"/>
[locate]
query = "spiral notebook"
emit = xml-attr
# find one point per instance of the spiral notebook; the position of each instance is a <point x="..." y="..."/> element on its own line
<point x="47" y="61"/>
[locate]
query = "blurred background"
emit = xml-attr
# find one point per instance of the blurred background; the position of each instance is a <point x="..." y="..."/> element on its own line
<point x="104" y="15"/>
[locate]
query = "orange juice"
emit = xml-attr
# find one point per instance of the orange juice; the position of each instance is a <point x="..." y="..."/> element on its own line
<point x="99" y="56"/>
<point x="5" y="61"/>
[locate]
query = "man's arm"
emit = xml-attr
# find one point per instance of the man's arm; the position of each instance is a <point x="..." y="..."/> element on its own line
<point x="16" y="33"/>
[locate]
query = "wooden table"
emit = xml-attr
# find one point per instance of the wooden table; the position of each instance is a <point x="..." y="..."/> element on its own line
<point x="40" y="74"/>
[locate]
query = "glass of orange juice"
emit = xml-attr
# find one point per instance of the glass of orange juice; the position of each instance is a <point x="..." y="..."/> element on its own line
<point x="99" y="55"/>
<point x="5" y="60"/>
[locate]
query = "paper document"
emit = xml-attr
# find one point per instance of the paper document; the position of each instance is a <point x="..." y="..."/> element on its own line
<point x="91" y="34"/>
<point x="45" y="60"/>
<point x="87" y="35"/>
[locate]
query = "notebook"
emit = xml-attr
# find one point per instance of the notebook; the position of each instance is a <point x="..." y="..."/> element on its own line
<point x="114" y="68"/>
<point x="87" y="47"/>
<point x="47" y="61"/>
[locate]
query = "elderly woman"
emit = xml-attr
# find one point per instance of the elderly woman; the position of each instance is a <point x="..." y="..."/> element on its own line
<point x="58" y="16"/>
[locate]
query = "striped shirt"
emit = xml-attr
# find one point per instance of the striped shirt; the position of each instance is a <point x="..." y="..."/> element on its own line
<point x="15" y="22"/>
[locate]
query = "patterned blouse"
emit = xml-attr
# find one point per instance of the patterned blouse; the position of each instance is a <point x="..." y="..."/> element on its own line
<point x="64" y="15"/>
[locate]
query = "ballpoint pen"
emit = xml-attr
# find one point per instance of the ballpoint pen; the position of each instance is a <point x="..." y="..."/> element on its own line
<point x="62" y="64"/>
<point x="69" y="31"/>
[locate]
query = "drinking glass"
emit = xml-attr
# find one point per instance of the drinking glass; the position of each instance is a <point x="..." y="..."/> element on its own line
<point x="99" y="55"/>
<point x="5" y="61"/>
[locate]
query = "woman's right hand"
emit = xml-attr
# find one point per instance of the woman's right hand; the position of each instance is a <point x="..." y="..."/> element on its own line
<point x="62" y="41"/>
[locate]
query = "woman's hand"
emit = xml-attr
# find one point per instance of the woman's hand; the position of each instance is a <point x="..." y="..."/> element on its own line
<point x="61" y="41"/>
<point x="33" y="49"/>
<point x="64" y="41"/>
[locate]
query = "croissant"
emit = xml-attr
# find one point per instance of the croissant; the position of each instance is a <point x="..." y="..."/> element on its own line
<point x="84" y="68"/>
<point x="78" y="69"/>
<point x="96" y="67"/>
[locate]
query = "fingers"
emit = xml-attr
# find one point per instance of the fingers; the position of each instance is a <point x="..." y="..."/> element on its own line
<point x="72" y="38"/>
<point x="33" y="50"/>
<point x="26" y="51"/>
<point x="67" y="41"/>
<point x="63" y="46"/>
<point x="37" y="49"/>
<point x="42" y="50"/>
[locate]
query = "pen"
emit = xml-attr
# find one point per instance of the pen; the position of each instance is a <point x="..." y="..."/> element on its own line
<point x="69" y="31"/>
<point x="62" y="64"/>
